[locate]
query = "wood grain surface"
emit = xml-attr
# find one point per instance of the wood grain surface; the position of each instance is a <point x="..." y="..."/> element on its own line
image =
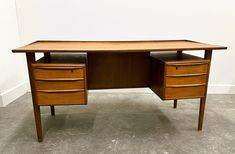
<point x="118" y="70"/>
<point x="110" y="46"/>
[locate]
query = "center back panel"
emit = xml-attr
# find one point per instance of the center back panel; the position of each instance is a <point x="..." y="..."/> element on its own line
<point x="118" y="70"/>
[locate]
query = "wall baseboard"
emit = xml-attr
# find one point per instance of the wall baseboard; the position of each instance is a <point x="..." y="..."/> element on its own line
<point x="11" y="94"/>
<point x="212" y="89"/>
<point x="221" y="89"/>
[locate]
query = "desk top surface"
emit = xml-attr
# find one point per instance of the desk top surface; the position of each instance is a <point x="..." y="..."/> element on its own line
<point x="115" y="46"/>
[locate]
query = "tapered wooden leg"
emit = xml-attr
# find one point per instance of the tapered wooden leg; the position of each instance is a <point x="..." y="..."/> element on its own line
<point x="201" y="113"/>
<point x="175" y="103"/>
<point x="52" y="110"/>
<point x="207" y="56"/>
<point x="37" y="116"/>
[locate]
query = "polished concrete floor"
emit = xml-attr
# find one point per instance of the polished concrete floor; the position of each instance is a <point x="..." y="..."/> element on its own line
<point x="119" y="123"/>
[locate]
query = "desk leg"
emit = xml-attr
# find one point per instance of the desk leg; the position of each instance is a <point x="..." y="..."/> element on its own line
<point x="47" y="58"/>
<point x="52" y="110"/>
<point x="179" y="56"/>
<point x="175" y="103"/>
<point x="37" y="115"/>
<point x="201" y="113"/>
<point x="208" y="55"/>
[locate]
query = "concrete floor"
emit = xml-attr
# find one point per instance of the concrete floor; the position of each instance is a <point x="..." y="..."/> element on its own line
<point x="121" y="123"/>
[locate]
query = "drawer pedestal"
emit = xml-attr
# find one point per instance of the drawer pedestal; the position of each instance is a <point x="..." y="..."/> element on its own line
<point x="175" y="77"/>
<point x="60" y="83"/>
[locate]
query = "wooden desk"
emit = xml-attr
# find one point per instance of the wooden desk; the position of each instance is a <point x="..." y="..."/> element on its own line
<point x="64" y="80"/>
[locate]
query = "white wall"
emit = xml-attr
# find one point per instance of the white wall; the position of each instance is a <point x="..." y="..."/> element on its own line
<point x="12" y="75"/>
<point x="210" y="21"/>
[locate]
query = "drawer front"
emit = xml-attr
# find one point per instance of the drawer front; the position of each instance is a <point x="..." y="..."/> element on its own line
<point x="185" y="80"/>
<point x="61" y="98"/>
<point x="59" y="85"/>
<point x="184" y="92"/>
<point x="179" y="69"/>
<point x="58" y="72"/>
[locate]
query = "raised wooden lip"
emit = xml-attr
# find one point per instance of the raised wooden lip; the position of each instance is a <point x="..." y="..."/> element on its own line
<point x="185" y="85"/>
<point x="186" y="64"/>
<point x="210" y="46"/>
<point x="58" y="68"/>
<point x="61" y="91"/>
<point x="187" y="75"/>
<point x="55" y="65"/>
<point x="59" y="79"/>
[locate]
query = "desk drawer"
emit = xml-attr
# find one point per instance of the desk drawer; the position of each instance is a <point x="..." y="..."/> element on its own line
<point x="186" y="80"/>
<point x="184" y="92"/>
<point x="187" y="68"/>
<point x="70" y="97"/>
<point x="59" y="85"/>
<point x="54" y="71"/>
